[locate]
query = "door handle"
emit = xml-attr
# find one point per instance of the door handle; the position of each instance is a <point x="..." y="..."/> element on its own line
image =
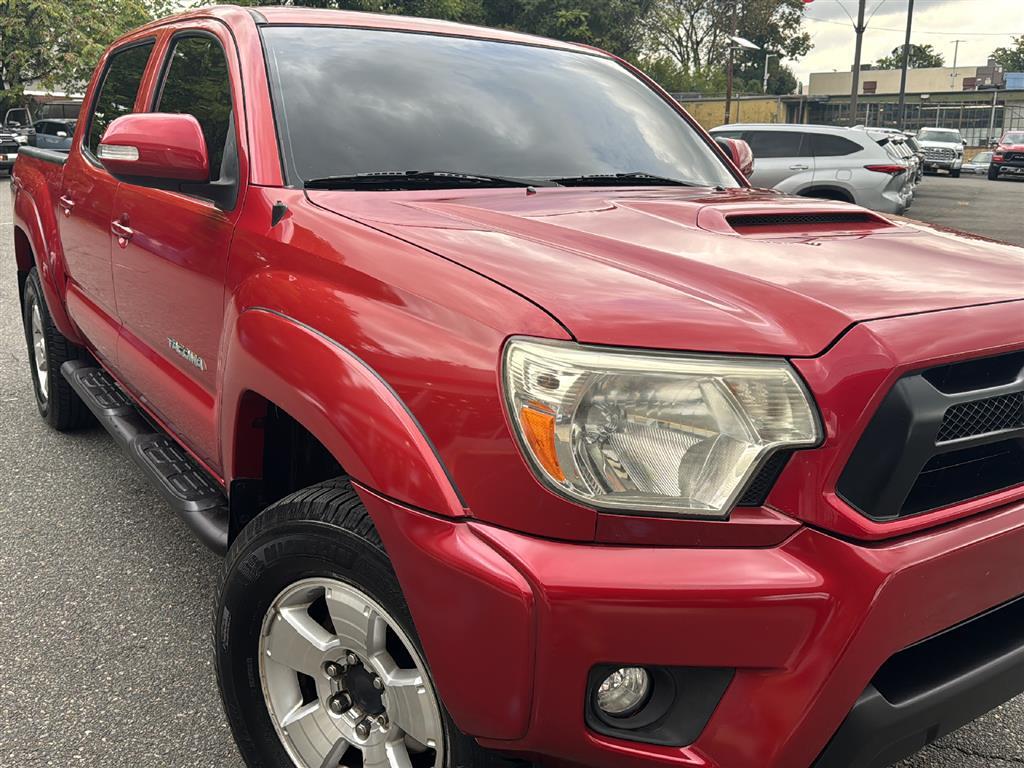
<point x="67" y="204"/>
<point x="122" y="231"/>
<point x="799" y="167"/>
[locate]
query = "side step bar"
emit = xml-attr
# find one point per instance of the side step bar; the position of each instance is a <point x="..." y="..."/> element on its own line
<point x="196" y="497"/>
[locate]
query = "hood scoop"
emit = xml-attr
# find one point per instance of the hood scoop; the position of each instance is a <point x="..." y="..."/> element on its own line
<point x="805" y="223"/>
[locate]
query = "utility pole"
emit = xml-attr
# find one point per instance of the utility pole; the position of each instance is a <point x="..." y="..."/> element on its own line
<point x="956" y="51"/>
<point x="859" y="29"/>
<point x="732" y="54"/>
<point x="906" y="62"/>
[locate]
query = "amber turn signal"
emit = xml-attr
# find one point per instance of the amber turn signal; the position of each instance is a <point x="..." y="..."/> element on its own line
<point x="538" y="425"/>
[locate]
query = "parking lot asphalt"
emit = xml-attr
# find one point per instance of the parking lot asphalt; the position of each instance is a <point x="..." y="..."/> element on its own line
<point x="105" y="597"/>
<point x="974" y="204"/>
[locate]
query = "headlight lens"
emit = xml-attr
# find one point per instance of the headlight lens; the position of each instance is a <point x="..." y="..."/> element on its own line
<point x="650" y="432"/>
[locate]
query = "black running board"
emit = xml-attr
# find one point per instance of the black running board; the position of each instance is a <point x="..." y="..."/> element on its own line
<point x="193" y="494"/>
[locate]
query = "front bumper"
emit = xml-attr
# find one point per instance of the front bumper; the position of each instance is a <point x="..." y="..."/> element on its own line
<point x="511" y="626"/>
<point x="944" y="165"/>
<point x="1015" y="166"/>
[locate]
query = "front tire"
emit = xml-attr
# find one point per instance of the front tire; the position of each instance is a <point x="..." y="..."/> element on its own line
<point x="955" y="173"/>
<point x="993" y="173"/>
<point x="48" y="350"/>
<point x="316" y="653"/>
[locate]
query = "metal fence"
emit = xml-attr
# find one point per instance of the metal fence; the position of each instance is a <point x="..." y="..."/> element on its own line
<point x="980" y="122"/>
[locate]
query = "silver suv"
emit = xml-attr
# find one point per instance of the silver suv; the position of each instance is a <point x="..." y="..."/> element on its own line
<point x="823" y="161"/>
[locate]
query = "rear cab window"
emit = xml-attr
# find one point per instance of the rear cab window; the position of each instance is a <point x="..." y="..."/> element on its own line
<point x="118" y="91"/>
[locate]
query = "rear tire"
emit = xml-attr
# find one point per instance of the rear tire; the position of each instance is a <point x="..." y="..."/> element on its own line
<point x="993" y="173"/>
<point x="320" y="544"/>
<point x="48" y="350"/>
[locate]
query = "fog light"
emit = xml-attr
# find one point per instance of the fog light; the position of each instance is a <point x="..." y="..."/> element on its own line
<point x="624" y="691"/>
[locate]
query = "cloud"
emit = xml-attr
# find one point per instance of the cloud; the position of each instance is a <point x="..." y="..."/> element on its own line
<point x="937" y="22"/>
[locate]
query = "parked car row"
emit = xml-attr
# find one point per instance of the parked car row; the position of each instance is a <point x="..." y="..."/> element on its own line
<point x="866" y="166"/>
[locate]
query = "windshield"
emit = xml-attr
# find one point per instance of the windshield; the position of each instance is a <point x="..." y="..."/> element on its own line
<point x="1014" y="137"/>
<point x="930" y="134"/>
<point x="351" y="101"/>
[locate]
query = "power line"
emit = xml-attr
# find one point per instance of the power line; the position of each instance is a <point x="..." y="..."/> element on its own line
<point x="918" y="31"/>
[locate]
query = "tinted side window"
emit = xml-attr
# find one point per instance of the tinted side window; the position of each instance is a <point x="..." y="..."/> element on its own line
<point x="117" y="93"/>
<point x="777" y="144"/>
<point x="824" y="145"/>
<point x="197" y="84"/>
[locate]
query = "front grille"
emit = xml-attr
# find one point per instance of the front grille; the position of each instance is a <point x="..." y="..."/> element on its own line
<point x="983" y="417"/>
<point x="940" y="437"/>
<point x="938" y="153"/>
<point x="9" y="147"/>
<point x="760" y="485"/>
<point x="1012" y="155"/>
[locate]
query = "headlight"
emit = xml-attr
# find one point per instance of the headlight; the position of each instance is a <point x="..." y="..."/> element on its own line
<point x="20" y="138"/>
<point x="651" y="432"/>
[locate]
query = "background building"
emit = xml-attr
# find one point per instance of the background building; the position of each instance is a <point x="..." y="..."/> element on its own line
<point x="925" y="80"/>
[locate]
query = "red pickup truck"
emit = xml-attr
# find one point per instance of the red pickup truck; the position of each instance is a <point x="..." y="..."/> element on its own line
<point x="530" y="431"/>
<point x="1008" y="156"/>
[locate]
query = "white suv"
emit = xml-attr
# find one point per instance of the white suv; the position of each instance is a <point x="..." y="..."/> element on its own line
<point x="823" y="161"/>
<point x="943" y="150"/>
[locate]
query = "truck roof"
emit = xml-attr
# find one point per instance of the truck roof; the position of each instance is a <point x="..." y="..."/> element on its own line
<point x="233" y="14"/>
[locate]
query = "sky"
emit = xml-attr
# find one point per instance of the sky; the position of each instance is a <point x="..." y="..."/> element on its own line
<point x="983" y="25"/>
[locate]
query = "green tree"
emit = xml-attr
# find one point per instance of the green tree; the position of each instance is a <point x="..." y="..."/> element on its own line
<point x="695" y="34"/>
<point x="57" y="42"/>
<point x="1011" y="59"/>
<point x="615" y="25"/>
<point x="921" y="57"/>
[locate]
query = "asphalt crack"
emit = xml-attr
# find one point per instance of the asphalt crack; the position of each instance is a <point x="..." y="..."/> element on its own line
<point x="977" y="753"/>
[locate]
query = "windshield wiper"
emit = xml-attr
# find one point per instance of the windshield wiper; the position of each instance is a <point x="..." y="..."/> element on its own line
<point x="636" y="178"/>
<point x="395" y="180"/>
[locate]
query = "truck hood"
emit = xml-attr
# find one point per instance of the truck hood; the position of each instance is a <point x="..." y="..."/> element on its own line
<point x="1009" y="148"/>
<point x="695" y="269"/>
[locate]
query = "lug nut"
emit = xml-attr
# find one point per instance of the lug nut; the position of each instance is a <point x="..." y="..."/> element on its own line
<point x="378" y="683"/>
<point x="332" y="669"/>
<point x="363" y="729"/>
<point x="340" y="703"/>
<point x="351" y="659"/>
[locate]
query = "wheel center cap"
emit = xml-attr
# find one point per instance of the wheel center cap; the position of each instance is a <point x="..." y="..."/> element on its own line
<point x="360" y="685"/>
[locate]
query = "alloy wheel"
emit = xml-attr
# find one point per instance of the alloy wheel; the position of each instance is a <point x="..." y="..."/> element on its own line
<point x="344" y="684"/>
<point x="42" y="366"/>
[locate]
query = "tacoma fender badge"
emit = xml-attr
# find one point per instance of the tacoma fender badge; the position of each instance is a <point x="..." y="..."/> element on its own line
<point x="187" y="353"/>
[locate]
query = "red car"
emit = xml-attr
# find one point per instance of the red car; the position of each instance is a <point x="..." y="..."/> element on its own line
<point x="530" y="431"/>
<point x="1008" y="156"/>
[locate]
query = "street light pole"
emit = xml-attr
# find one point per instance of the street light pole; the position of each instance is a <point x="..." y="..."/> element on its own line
<point x="732" y="49"/>
<point x="906" y="62"/>
<point x="859" y="29"/>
